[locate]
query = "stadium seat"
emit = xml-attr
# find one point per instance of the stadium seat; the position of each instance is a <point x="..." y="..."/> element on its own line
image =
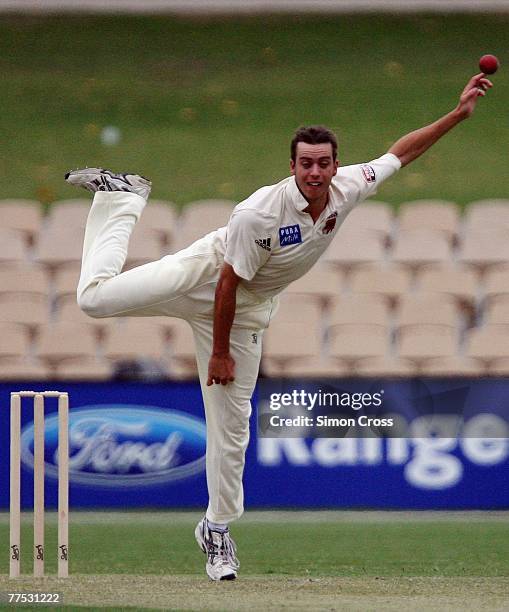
<point x="430" y="309"/>
<point x="438" y="215"/>
<point x="201" y="217"/>
<point x="12" y="246"/>
<point x="384" y="366"/>
<point x="496" y="311"/>
<point x="486" y="215"/>
<point x="419" y="247"/>
<point x="24" y="278"/>
<point x="144" y="247"/>
<point x="452" y="366"/>
<point x="488" y="343"/>
<point x="285" y="342"/>
<point x="82" y="368"/>
<point x="68" y="214"/>
<point x="22" y="368"/>
<point x="66" y="282"/>
<point x="24" y="216"/>
<point x="356" y="308"/>
<point x="496" y="282"/>
<point x="353" y="342"/>
<point x="498" y="367"/>
<point x="305" y="368"/>
<point x="482" y="249"/>
<point x="372" y="216"/>
<point x="147" y="342"/>
<point x="62" y="341"/>
<point x="387" y="281"/>
<point x="31" y="310"/>
<point x="423" y="342"/>
<point x="68" y="311"/>
<point x="321" y="283"/>
<point x="60" y="246"/>
<point x="15" y="340"/>
<point x="460" y="282"/>
<point x="296" y="309"/>
<point x="351" y="249"/>
<point x="160" y="218"/>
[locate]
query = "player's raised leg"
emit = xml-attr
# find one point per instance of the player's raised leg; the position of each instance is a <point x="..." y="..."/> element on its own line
<point x="156" y="288"/>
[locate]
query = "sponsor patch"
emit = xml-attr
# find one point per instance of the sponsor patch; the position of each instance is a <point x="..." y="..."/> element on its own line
<point x="289" y="235"/>
<point x="368" y="173"/>
<point x="330" y="223"/>
<point x="264" y="243"/>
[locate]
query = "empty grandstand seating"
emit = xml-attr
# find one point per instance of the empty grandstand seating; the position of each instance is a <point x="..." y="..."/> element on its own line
<point x="200" y="218"/>
<point x="24" y="278"/>
<point x="58" y="246"/>
<point x="160" y="218"/>
<point x="322" y="283"/>
<point x="488" y="344"/>
<point x="69" y="214"/>
<point x="437" y="215"/>
<point x="59" y="342"/>
<point x="388" y="281"/>
<point x="12" y="246"/>
<point x="425" y="292"/>
<point x="372" y="216"/>
<point x="351" y="249"/>
<point x="354" y="342"/>
<point x="24" y="216"/>
<point x="460" y="282"/>
<point x="430" y="309"/>
<point x="487" y="214"/>
<point x="423" y="342"/>
<point x="484" y="248"/>
<point x="418" y="247"/>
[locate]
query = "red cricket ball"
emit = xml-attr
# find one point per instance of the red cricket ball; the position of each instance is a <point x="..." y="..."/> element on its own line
<point x="489" y="64"/>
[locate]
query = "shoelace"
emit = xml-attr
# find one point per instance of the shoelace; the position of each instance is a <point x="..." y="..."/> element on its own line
<point x="226" y="550"/>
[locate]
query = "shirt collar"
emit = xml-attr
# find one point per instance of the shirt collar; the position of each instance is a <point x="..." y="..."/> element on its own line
<point x="295" y="196"/>
<point x="298" y="200"/>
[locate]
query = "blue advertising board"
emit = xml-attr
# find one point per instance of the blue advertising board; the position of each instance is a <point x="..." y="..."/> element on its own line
<point x="143" y="445"/>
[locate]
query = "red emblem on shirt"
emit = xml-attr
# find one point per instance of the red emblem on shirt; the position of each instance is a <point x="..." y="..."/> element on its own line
<point x="330" y="223"/>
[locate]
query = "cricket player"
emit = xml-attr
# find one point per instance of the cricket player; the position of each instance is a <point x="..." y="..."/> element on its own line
<point x="226" y="284"/>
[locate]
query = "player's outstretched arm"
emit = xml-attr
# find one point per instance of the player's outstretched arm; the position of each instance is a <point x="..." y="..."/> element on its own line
<point x="415" y="143"/>
<point x="221" y="363"/>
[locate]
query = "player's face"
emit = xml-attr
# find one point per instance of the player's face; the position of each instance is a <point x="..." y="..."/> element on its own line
<point x="314" y="168"/>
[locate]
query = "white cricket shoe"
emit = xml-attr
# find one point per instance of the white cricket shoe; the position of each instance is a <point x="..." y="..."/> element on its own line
<point x="222" y="564"/>
<point x="99" y="179"/>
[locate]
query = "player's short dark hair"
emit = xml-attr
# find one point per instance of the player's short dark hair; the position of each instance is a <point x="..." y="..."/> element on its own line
<point x="314" y="134"/>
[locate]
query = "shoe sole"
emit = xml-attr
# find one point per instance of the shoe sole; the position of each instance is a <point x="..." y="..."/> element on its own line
<point x="84" y="171"/>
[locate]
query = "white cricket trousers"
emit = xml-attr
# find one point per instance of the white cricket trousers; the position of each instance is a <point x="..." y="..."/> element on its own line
<point x="181" y="285"/>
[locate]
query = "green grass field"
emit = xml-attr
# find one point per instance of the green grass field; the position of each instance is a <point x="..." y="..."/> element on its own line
<point x="207" y="107"/>
<point x="306" y="561"/>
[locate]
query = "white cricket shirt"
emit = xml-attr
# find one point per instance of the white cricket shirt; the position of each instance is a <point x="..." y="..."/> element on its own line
<point x="270" y="242"/>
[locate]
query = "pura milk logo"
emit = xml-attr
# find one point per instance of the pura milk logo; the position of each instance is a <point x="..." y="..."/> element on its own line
<point x="120" y="446"/>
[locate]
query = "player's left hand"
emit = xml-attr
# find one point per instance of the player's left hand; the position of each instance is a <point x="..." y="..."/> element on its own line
<point x="221" y="370"/>
<point x="477" y="86"/>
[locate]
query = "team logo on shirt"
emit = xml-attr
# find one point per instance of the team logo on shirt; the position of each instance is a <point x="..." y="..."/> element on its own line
<point x="368" y="173"/>
<point x="264" y="243"/>
<point x="330" y="223"/>
<point x="289" y="235"/>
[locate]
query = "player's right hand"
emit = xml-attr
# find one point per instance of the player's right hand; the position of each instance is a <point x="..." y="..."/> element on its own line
<point x="221" y="370"/>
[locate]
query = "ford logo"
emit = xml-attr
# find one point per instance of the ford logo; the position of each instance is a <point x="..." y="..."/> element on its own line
<point x="118" y="446"/>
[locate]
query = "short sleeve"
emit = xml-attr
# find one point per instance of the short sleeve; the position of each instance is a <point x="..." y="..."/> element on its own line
<point x="361" y="181"/>
<point x="248" y="243"/>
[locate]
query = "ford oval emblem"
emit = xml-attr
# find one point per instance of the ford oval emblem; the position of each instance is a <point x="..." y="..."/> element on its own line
<point x="118" y="446"/>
